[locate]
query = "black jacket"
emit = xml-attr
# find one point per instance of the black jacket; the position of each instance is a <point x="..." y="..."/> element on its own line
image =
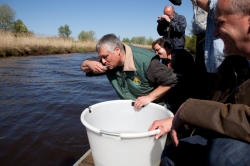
<point x="177" y="28"/>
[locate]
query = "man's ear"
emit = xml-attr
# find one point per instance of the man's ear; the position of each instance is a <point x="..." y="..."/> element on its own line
<point x="117" y="49"/>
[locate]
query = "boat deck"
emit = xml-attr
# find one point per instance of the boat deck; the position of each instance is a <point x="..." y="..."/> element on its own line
<point x="87" y="159"/>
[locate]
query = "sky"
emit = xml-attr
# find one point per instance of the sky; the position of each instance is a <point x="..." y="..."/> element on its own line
<point x="124" y="18"/>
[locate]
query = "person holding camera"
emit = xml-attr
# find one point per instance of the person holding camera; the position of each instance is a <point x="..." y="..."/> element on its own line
<point x="172" y="25"/>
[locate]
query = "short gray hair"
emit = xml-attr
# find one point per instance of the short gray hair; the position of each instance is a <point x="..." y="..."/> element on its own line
<point x="109" y="42"/>
<point x="239" y="7"/>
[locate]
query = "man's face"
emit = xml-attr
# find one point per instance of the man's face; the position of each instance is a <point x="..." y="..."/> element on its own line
<point x="111" y="60"/>
<point x="232" y="29"/>
<point x="169" y="12"/>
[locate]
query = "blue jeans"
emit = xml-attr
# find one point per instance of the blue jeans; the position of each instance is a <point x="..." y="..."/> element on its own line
<point x="229" y="152"/>
<point x="197" y="150"/>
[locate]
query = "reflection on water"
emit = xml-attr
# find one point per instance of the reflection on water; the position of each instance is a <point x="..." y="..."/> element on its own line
<point x="41" y="100"/>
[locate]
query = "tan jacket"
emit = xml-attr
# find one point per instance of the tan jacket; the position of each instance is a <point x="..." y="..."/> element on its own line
<point x="229" y="113"/>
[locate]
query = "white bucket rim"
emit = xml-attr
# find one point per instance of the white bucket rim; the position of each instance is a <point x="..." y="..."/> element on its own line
<point x="113" y="134"/>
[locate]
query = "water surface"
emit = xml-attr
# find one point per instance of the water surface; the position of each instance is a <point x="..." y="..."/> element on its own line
<point x="41" y="100"/>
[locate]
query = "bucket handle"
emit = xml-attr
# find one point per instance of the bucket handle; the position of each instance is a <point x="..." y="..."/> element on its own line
<point x="118" y="136"/>
<point x="110" y="134"/>
<point x="137" y="135"/>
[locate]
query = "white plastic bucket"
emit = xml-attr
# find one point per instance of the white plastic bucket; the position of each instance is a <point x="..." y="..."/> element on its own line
<point x="118" y="135"/>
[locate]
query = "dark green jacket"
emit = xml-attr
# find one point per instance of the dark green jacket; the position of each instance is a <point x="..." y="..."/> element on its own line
<point x="133" y="84"/>
<point x="141" y="74"/>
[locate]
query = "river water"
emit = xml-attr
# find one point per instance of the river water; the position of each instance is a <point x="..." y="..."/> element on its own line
<point x="41" y="100"/>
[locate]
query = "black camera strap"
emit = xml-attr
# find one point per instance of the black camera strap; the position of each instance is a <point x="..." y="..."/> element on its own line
<point x="169" y="28"/>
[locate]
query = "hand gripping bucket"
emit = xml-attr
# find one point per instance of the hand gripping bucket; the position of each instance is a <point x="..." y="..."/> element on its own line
<point x="118" y="135"/>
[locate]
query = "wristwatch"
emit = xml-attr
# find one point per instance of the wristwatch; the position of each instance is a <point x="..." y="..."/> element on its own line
<point x="194" y="2"/>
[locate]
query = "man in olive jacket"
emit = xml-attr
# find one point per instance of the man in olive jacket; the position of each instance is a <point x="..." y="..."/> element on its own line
<point x="133" y="72"/>
<point x="222" y="135"/>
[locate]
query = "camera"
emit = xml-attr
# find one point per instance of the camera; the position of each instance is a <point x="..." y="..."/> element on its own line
<point x="163" y="21"/>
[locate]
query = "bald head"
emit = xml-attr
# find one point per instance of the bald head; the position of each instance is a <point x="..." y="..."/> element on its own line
<point x="169" y="11"/>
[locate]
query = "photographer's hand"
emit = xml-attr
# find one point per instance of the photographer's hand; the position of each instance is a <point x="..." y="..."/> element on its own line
<point x="166" y="17"/>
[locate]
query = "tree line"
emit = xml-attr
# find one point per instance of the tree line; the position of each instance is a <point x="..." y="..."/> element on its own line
<point x="8" y="23"/>
<point x="7" y="20"/>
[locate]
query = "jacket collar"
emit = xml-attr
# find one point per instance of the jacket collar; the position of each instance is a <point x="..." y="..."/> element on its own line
<point x="175" y="16"/>
<point x="129" y="64"/>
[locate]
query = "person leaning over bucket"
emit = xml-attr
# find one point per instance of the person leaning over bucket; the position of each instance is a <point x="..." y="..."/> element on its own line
<point x="222" y="135"/>
<point x="134" y="72"/>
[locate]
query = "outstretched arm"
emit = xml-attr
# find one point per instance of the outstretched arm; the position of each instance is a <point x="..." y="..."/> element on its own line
<point x="93" y="66"/>
<point x="157" y="93"/>
<point x="163" y="77"/>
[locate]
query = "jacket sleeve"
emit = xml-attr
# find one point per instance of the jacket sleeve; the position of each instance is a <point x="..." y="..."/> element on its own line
<point x="228" y="119"/>
<point x="179" y="25"/>
<point x="160" y="74"/>
<point x="161" y="27"/>
<point x="94" y="58"/>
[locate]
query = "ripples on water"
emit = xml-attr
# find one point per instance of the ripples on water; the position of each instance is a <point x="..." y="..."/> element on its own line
<point x="41" y="100"/>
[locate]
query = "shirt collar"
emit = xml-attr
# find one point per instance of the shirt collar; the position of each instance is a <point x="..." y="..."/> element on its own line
<point x="175" y="16"/>
<point x="129" y="64"/>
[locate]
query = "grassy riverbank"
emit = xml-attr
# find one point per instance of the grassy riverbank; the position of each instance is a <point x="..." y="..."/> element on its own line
<point x="27" y="44"/>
